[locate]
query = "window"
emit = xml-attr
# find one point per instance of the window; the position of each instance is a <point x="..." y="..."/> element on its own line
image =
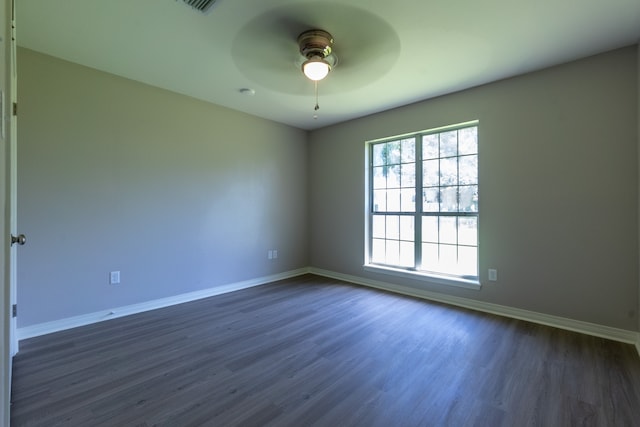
<point x="423" y="203"/>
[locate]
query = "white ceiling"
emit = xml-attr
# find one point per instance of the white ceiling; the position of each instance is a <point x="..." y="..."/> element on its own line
<point x="390" y="53"/>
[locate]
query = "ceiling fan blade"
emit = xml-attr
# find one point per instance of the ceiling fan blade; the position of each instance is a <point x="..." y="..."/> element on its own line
<point x="265" y="50"/>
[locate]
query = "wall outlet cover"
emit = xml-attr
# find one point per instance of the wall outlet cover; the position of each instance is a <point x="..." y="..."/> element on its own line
<point x="114" y="277"/>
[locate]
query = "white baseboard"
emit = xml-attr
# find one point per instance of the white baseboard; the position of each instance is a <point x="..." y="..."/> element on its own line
<point x="622" y="335"/>
<point x="86" y="319"/>
<point x="607" y="332"/>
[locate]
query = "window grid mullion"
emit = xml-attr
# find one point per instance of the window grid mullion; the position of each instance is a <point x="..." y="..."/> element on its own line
<point x="417" y="221"/>
<point x="372" y="211"/>
<point x="458" y="195"/>
<point x="439" y="246"/>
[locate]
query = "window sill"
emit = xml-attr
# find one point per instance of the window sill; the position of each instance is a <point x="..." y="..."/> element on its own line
<point x="428" y="277"/>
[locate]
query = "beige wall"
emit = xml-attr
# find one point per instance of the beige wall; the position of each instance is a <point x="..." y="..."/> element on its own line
<point x="558" y="188"/>
<point x="177" y="194"/>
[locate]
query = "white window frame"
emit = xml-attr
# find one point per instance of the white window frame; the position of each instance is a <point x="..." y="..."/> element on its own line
<point x="469" y="281"/>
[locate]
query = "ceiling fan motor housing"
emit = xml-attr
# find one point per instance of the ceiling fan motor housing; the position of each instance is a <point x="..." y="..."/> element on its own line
<point x="315" y="43"/>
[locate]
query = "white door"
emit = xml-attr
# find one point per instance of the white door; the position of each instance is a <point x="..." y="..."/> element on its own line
<point x="11" y="101"/>
<point x="8" y="336"/>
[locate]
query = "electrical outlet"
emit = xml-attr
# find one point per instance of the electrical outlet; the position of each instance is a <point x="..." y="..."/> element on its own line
<point x="270" y="254"/>
<point x="114" y="277"/>
<point x="493" y="274"/>
<point x="275" y="253"/>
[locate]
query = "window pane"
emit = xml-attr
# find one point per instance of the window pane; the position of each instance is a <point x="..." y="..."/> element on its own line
<point x="379" y="177"/>
<point x="469" y="169"/>
<point x="430" y="147"/>
<point x="393" y="176"/>
<point x="429" y="257"/>
<point x="449" y="171"/>
<point x="468" y="230"/>
<point x="393" y="252"/>
<point x="377" y="227"/>
<point x="468" y="140"/>
<point x="448" y="230"/>
<point x="431" y="200"/>
<point x="469" y="198"/>
<point x="430" y="229"/>
<point x="430" y="173"/>
<point x="393" y="200"/>
<point x="379" y="200"/>
<point x="377" y="251"/>
<point x="378" y="154"/>
<point x="449" y="143"/>
<point x="449" y="199"/>
<point x="408" y="150"/>
<point x="392" y="154"/>
<point x="467" y="261"/>
<point x="408" y="178"/>
<point x="393" y="227"/>
<point x="407" y="231"/>
<point x="448" y="259"/>
<point x="407" y="254"/>
<point x="408" y="200"/>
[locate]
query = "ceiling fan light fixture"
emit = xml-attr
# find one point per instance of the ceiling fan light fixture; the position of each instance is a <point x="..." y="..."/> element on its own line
<point x="316" y="46"/>
<point x="316" y="68"/>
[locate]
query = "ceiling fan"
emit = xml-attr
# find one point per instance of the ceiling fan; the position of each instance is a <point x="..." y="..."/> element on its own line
<point x="272" y="48"/>
<point x="316" y="46"/>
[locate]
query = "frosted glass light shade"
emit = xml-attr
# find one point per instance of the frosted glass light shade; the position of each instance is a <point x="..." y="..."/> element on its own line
<point x="316" y="68"/>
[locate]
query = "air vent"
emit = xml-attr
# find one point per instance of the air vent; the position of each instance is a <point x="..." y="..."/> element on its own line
<point x="203" y="6"/>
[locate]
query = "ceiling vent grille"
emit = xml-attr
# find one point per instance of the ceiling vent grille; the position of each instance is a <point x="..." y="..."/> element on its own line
<point x="203" y="6"/>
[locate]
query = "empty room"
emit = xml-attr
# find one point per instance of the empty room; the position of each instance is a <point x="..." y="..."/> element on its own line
<point x="328" y="213"/>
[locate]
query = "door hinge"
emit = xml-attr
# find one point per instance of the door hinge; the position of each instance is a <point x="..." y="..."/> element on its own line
<point x="14" y="310"/>
<point x="15" y="108"/>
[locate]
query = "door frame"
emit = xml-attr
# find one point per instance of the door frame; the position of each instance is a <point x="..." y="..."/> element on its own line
<point x="8" y="169"/>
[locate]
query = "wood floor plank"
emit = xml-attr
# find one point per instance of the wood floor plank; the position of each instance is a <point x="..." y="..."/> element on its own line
<point x="316" y="351"/>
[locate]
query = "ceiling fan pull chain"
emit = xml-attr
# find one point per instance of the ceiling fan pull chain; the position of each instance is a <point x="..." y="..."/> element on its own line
<point x="317" y="107"/>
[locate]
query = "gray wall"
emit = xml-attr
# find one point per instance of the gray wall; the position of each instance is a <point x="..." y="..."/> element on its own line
<point x="177" y="194"/>
<point x="558" y="187"/>
<point x="181" y="195"/>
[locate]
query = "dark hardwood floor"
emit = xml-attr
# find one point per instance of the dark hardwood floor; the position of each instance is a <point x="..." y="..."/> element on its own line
<point x="315" y="351"/>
